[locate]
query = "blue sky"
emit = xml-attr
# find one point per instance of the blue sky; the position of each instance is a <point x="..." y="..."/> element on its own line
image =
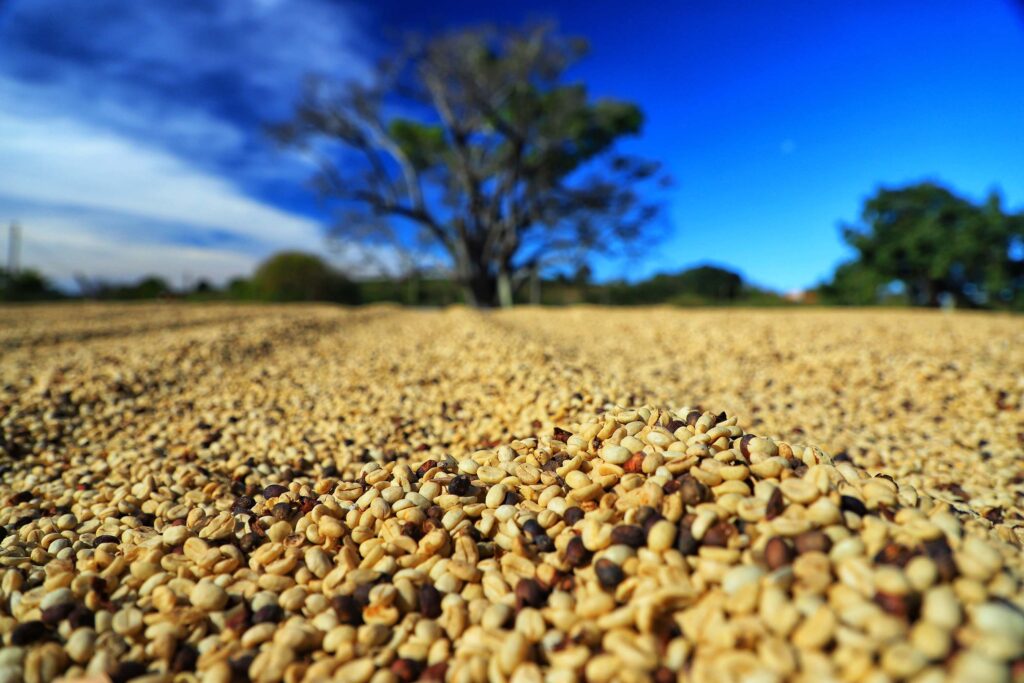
<point x="131" y="143"/>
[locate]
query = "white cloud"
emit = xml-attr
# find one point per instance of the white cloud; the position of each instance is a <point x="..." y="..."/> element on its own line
<point x="127" y="132"/>
<point x="97" y="203"/>
<point x="64" y="246"/>
<point x="60" y="161"/>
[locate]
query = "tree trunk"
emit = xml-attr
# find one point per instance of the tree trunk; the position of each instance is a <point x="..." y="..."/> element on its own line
<point x="504" y="289"/>
<point x="535" y="286"/>
<point x="479" y="289"/>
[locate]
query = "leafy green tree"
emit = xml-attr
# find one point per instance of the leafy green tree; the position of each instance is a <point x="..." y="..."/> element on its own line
<point x="475" y="138"/>
<point x="935" y="244"/>
<point x="26" y="285"/>
<point x="296" y="276"/>
<point x="853" y="284"/>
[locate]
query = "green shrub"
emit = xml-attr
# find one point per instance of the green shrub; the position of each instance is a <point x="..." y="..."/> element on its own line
<point x="297" y="276"/>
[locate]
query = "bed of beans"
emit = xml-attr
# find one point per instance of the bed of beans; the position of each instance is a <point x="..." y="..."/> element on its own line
<point x="312" y="493"/>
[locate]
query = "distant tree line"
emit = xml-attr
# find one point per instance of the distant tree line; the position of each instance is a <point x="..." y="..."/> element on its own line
<point x="923" y="245"/>
<point x="919" y="245"/>
<point x="296" y="276"/>
<point x="26" y="285"/>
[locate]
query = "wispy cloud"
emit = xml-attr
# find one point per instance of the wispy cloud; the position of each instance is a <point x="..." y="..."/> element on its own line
<point x="94" y="202"/>
<point x="131" y="133"/>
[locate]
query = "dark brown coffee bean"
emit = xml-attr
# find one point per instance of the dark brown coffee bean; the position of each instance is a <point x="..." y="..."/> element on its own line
<point x="853" y="504"/>
<point x="185" y="658"/>
<point x="630" y="535"/>
<point x="274" y="490"/>
<point x="51" y="616"/>
<point x="240" y="667"/>
<point x="685" y="542"/>
<point x="282" y="511"/>
<point x="775" y="505"/>
<point x="268" y="614"/>
<point x="28" y="632"/>
<point x="81" y="616"/>
<point x="544" y="543"/>
<point x="459" y="485"/>
<point x="126" y="671"/>
<point x="647" y="517"/>
<point x="942" y="555"/>
<point x="349" y="611"/>
<point x="529" y="594"/>
<point x="430" y="601"/>
<point x="718" y="535"/>
<point x="674" y="425"/>
<point x="777" y="553"/>
<point x="405" y="670"/>
<point x="609" y="574"/>
<point x="812" y="542"/>
<point x="362" y="594"/>
<point x="249" y="542"/>
<point x="693" y="491"/>
<point x="576" y="554"/>
<point x="572" y="515"/>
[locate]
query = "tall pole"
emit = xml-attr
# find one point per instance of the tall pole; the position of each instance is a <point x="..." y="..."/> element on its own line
<point x="13" y="249"/>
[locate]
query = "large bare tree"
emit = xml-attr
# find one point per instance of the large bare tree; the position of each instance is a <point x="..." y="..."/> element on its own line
<point x="475" y="138"/>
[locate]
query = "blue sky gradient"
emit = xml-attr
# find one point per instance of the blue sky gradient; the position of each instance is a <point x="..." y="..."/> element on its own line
<point x="131" y="139"/>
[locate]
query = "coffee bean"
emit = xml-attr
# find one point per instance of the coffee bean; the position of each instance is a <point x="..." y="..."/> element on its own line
<point x="693" y="491"/>
<point x="852" y="504"/>
<point x="719" y="534"/>
<point x="609" y="574"/>
<point x="529" y="594"/>
<point x="812" y="542"/>
<point x="572" y="515"/>
<point x="274" y="490"/>
<point x="459" y="485"/>
<point x="185" y="658"/>
<point x="630" y="535"/>
<point x="776" y="504"/>
<point x="28" y="632"/>
<point x="405" y="670"/>
<point x="51" y="616"/>
<point x="576" y="554"/>
<point x="268" y="614"/>
<point x="685" y="542"/>
<point x="430" y="601"/>
<point x="348" y="610"/>
<point x="777" y="553"/>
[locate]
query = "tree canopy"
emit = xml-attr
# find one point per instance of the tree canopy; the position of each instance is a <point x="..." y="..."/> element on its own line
<point x="476" y="138"/>
<point x="932" y="244"/>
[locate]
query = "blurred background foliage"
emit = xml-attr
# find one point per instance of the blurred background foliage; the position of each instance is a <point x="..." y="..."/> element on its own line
<point x="921" y="245"/>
